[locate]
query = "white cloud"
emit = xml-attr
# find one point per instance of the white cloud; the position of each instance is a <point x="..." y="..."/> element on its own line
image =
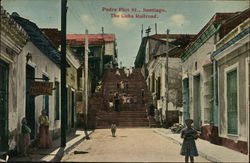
<point x="87" y="19"/>
<point x="178" y="20"/>
<point x="90" y="23"/>
<point x="122" y="22"/>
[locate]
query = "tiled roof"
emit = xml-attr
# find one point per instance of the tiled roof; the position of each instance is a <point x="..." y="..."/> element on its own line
<point x="232" y="41"/>
<point x="171" y="36"/>
<point x="94" y="39"/>
<point x="38" y="38"/>
<point x="218" y="17"/>
<point x="234" y="21"/>
<point x="53" y="34"/>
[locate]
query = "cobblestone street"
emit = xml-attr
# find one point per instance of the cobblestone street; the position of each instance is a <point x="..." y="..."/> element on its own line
<point x="129" y="145"/>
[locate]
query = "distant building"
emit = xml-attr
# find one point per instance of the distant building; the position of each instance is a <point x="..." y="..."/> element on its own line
<point x="151" y="58"/>
<point x="102" y="52"/>
<point x="72" y="75"/>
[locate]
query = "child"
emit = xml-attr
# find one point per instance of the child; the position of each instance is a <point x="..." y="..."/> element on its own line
<point x="188" y="148"/>
<point x="25" y="136"/>
<point x="113" y="129"/>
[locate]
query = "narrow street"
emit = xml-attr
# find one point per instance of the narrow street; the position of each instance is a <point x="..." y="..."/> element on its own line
<point x="129" y="145"/>
<point x="156" y="71"/>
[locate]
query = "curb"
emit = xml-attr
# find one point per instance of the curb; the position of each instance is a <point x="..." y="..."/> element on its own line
<point x="202" y="154"/>
<point x="58" y="156"/>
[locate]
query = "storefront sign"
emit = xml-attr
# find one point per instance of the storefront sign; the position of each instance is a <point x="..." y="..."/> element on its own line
<point x="41" y="88"/>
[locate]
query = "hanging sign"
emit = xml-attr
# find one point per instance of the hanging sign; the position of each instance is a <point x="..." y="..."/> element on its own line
<point x="41" y="88"/>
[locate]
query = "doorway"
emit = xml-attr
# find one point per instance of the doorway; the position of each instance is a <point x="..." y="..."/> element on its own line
<point x="197" y="103"/>
<point x="73" y="109"/>
<point x="186" y="99"/>
<point x="4" y="77"/>
<point x="30" y="102"/>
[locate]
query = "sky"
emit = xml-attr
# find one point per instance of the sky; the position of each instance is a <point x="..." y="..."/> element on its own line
<point x="124" y="18"/>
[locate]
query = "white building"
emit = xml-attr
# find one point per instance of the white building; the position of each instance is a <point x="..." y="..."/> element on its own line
<point x="40" y="61"/>
<point x="12" y="93"/>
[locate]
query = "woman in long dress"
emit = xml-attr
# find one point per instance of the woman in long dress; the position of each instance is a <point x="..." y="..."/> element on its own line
<point x="44" y="135"/>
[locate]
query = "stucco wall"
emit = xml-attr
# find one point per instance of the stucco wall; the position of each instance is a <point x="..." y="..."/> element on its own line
<point x="16" y="93"/>
<point x="110" y="48"/>
<point x="201" y="56"/>
<point x="157" y="66"/>
<point x="236" y="58"/>
<point x="43" y="66"/>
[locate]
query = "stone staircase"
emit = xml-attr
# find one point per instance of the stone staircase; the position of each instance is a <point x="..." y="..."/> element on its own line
<point x="133" y="114"/>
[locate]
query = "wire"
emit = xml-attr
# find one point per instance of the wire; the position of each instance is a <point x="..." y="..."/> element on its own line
<point x="76" y="14"/>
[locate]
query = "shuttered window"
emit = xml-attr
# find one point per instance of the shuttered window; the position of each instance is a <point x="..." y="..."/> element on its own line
<point x="232" y="113"/>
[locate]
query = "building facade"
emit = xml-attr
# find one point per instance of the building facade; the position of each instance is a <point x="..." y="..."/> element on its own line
<point x="197" y="74"/>
<point x="231" y="64"/>
<point x="12" y="92"/>
<point x="72" y="87"/>
<point x="40" y="63"/>
<point x="163" y="74"/>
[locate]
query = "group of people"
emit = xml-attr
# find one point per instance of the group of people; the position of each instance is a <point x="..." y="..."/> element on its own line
<point x="117" y="99"/>
<point x="122" y="85"/>
<point x="44" y="139"/>
<point x="127" y="72"/>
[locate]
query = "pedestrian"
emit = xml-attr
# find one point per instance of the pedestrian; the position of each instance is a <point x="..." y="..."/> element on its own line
<point x="142" y="93"/>
<point x="117" y="73"/>
<point x="117" y="103"/>
<point x="113" y="129"/>
<point x="189" y="135"/>
<point x="152" y="110"/>
<point x="126" y="84"/>
<point x="122" y="86"/>
<point x="44" y="139"/>
<point x="126" y="71"/>
<point x="111" y="105"/>
<point x="25" y="137"/>
<point x="142" y="96"/>
<point x="130" y="71"/>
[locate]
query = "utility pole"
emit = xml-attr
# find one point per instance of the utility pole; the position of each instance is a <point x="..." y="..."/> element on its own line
<point x="141" y="31"/>
<point x="63" y="72"/>
<point x="155" y="28"/>
<point x="86" y="81"/>
<point x="148" y="30"/>
<point x="166" y="78"/>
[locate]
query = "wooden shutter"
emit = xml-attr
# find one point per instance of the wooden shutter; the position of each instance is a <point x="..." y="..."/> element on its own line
<point x="232" y="102"/>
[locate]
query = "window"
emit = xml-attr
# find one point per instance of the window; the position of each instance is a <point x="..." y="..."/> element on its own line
<point x="57" y="101"/>
<point x="158" y="93"/>
<point x="195" y="65"/>
<point x="232" y="113"/>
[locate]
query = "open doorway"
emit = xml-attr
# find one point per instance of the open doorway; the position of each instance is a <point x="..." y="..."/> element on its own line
<point x="4" y="74"/>
<point x="197" y="103"/>
<point x="30" y="102"/>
